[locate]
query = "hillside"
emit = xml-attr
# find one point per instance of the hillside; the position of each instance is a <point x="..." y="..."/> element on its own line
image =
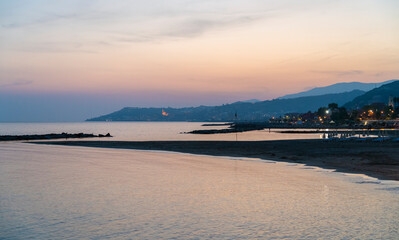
<point x="336" y="88"/>
<point x="246" y="111"/>
<point x="380" y="95"/>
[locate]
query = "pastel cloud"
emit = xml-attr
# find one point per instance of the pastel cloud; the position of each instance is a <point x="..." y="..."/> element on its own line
<point x="197" y="46"/>
<point x="15" y="83"/>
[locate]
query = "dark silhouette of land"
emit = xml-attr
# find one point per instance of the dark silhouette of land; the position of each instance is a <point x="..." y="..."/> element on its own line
<point x="51" y="136"/>
<point x="247" y="111"/>
<point x="337" y="88"/>
<point x="262" y="110"/>
<point x="289" y="128"/>
<point x="376" y="159"/>
<point x="377" y="95"/>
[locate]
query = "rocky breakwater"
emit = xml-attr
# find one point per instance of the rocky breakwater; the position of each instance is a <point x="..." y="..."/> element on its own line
<point x="51" y="136"/>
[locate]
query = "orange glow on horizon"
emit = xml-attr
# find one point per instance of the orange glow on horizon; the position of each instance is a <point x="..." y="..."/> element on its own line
<point x="251" y="49"/>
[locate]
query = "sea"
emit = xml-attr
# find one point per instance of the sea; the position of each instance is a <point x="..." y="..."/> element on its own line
<point x="65" y="192"/>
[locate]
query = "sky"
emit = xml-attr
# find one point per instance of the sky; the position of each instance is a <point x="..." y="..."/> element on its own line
<point x="69" y="60"/>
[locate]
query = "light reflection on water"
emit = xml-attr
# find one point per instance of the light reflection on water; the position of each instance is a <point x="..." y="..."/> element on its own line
<point x="145" y="131"/>
<point x="58" y="192"/>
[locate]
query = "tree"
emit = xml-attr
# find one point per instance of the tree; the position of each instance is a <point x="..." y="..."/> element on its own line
<point x="322" y="111"/>
<point x="340" y="115"/>
<point x="332" y="106"/>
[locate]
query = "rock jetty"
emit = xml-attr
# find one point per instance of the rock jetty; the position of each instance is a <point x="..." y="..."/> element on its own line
<point x="51" y="136"/>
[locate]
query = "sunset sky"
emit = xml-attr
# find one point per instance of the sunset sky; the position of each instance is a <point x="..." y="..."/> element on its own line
<point x="93" y="57"/>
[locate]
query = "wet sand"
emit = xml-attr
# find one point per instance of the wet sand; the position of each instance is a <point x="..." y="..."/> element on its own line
<point x="380" y="160"/>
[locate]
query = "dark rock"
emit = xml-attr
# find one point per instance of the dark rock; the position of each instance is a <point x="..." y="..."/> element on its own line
<point x="49" y="136"/>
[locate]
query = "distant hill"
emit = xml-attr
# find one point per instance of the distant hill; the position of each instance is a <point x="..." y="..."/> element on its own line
<point x="246" y="111"/>
<point x="251" y="101"/>
<point x="337" y="88"/>
<point x="380" y="95"/>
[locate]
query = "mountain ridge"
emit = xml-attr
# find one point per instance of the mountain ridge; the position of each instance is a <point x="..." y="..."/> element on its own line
<point x="377" y="95"/>
<point x="246" y="111"/>
<point x="337" y="88"/>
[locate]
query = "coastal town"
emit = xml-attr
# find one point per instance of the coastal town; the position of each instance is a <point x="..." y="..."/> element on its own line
<point x="370" y="116"/>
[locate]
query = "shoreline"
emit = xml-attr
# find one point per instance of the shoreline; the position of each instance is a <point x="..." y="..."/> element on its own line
<point x="380" y="160"/>
<point x="237" y="127"/>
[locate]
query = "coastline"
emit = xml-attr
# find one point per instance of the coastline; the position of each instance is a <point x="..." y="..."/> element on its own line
<point x="290" y="128"/>
<point x="380" y="160"/>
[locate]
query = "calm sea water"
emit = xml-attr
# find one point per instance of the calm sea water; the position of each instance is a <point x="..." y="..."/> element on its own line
<point x="62" y="192"/>
<point x="144" y="131"/>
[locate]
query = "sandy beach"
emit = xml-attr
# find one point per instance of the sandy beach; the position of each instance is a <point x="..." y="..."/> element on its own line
<point x="379" y="160"/>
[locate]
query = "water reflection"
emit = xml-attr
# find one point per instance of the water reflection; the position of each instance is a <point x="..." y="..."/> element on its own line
<point x="146" y="131"/>
<point x="54" y="192"/>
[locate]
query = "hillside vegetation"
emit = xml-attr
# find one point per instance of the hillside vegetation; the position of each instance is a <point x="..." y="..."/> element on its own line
<point x="246" y="111"/>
